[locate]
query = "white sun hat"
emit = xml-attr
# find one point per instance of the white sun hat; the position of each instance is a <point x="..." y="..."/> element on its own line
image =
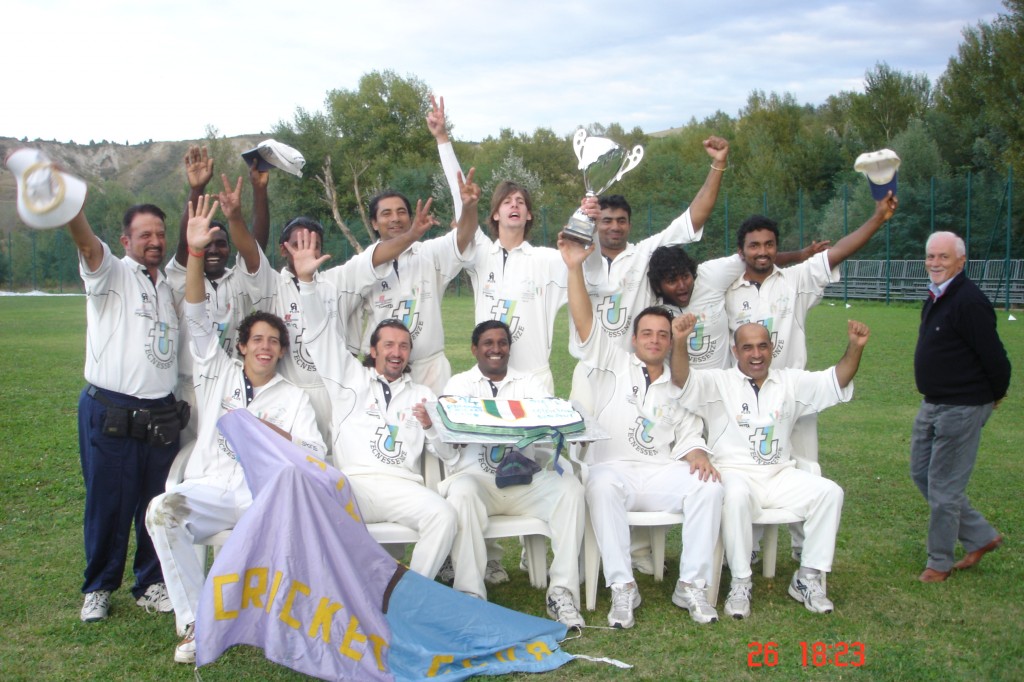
<point x="274" y="154"/>
<point x="881" y="169"/>
<point x="47" y="196"/>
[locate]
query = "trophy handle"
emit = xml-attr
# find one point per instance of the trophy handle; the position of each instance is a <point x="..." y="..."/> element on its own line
<point x="630" y="162"/>
<point x="577" y="143"/>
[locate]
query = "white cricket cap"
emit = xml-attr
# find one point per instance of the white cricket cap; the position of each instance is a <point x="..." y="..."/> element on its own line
<point x="274" y="154"/>
<point x="47" y="196"/>
<point x="881" y="170"/>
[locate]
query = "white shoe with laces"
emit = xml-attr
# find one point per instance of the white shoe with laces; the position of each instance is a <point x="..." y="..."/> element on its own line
<point x="156" y="599"/>
<point x="96" y="606"/>
<point x="810" y="592"/>
<point x="562" y="608"/>
<point x="737" y="604"/>
<point x="695" y="600"/>
<point x="185" y="652"/>
<point x="625" y="598"/>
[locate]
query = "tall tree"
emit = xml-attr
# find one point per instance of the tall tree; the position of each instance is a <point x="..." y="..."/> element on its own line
<point x="890" y="101"/>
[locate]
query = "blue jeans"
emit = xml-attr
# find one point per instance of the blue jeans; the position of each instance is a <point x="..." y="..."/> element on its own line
<point x="121" y="476"/>
<point x="943" y="450"/>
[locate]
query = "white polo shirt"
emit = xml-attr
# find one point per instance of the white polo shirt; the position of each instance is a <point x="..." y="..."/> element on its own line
<point x="371" y="434"/>
<point x="781" y="304"/>
<point x="220" y="388"/>
<point x="132" y="332"/>
<point x="709" y="345"/>
<point x="646" y="423"/>
<point x="752" y="429"/>
<point x="410" y="289"/>
<point x="524" y="288"/>
<point x="628" y="291"/>
<point x="353" y="281"/>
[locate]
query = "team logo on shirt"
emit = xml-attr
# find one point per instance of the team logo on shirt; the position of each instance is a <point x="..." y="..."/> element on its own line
<point x="160" y="347"/>
<point x="387" y="448"/>
<point x="614" y="317"/>
<point x="300" y="355"/>
<point x="641" y="438"/>
<point x="700" y="344"/>
<point x="769" y="323"/>
<point x="504" y="310"/>
<point x="491" y="458"/>
<point x="764" y="447"/>
<point x="221" y="330"/>
<point x="406" y="313"/>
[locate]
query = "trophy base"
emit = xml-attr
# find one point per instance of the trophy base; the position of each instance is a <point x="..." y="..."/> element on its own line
<point x="580" y="230"/>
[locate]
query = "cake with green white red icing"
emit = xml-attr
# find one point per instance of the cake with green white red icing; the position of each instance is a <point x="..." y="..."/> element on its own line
<point x="508" y="416"/>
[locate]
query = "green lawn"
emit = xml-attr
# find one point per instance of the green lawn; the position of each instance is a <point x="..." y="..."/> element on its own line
<point x="969" y="628"/>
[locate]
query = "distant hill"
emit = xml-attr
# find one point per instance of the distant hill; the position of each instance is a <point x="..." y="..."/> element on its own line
<point x="154" y="168"/>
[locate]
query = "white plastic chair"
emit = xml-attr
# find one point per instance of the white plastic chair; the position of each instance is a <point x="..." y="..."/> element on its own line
<point x="771" y="519"/>
<point x="175" y="476"/>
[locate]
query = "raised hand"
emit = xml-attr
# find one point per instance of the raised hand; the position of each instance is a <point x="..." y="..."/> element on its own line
<point x="199" y="215"/>
<point x="592" y="207"/>
<point x="304" y="255"/>
<point x="718" y="149"/>
<point x="257" y="178"/>
<point x="231" y="200"/>
<point x="858" y="333"/>
<point x="423" y="220"/>
<point x="198" y="167"/>
<point x="573" y="252"/>
<point x="469" y="190"/>
<point x="435" y="120"/>
<point x="815" y="247"/>
<point x="886" y="206"/>
<point x="683" y="325"/>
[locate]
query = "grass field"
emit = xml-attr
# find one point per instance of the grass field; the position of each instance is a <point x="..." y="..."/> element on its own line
<point x="969" y="628"/>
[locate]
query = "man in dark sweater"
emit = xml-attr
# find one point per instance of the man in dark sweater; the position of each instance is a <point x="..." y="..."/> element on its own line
<point x="963" y="372"/>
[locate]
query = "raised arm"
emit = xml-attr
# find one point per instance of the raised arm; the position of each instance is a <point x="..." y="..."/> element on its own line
<point x="449" y="164"/>
<point x="702" y="204"/>
<point x="198" y="171"/>
<point x="88" y="244"/>
<point x="846" y="368"/>
<point x="682" y="327"/>
<point x="852" y="243"/>
<point x="198" y="236"/>
<point x="784" y="258"/>
<point x="574" y="253"/>
<point x="231" y="205"/>
<point x="260" y="204"/>
<point x="469" y="217"/>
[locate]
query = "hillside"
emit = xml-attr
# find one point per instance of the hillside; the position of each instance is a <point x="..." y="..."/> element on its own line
<point x="153" y="168"/>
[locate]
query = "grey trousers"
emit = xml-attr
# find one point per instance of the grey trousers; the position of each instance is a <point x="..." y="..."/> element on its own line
<point x="943" y="450"/>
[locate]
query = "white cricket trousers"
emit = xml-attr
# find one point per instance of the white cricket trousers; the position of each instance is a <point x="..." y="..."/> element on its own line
<point x="615" y="488"/>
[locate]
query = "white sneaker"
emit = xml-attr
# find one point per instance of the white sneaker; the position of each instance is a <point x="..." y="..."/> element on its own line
<point x="447" y="573"/>
<point x="737" y="604"/>
<point x="562" y="608"/>
<point x="185" y="652"/>
<point x="810" y="592"/>
<point x="625" y="598"/>
<point x="96" y="606"/>
<point x="695" y="600"/>
<point x="643" y="563"/>
<point x="495" y="574"/>
<point x="156" y="600"/>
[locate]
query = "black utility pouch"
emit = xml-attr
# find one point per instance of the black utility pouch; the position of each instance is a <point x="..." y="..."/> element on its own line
<point x="184" y="412"/>
<point x="140" y="424"/>
<point x="115" y="422"/>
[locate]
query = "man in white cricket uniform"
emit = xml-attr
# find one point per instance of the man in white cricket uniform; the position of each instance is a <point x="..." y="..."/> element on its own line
<point x="131" y="368"/>
<point x="750" y="411"/>
<point x="214" y="495"/>
<point x="471" y="488"/>
<point x="781" y="298"/>
<point x="378" y="437"/>
<point x="655" y="459"/>
<point x="229" y="290"/>
<point x="519" y="284"/>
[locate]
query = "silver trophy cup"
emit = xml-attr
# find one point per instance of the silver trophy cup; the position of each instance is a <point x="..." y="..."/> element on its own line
<point x="603" y="163"/>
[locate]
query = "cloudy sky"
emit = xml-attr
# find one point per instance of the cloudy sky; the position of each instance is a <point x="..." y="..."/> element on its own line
<point x="133" y="71"/>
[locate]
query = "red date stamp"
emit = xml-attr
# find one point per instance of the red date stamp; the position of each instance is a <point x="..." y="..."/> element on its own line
<point x="815" y="654"/>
